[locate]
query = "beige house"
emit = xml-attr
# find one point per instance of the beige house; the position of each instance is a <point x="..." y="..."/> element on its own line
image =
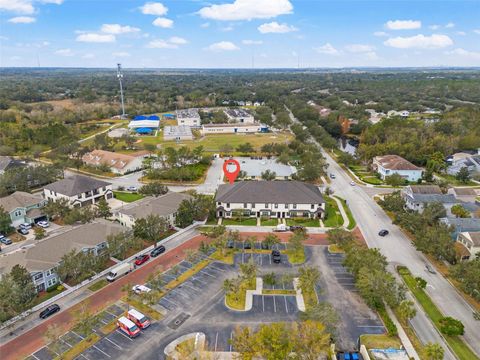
<point x="118" y="163"/>
<point x="470" y="244"/>
<point x="165" y="206"/>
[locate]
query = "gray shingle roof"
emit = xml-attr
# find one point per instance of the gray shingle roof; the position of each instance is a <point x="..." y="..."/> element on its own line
<point x="76" y="185"/>
<point x="431" y="198"/>
<point x="161" y="205"/>
<point x="425" y="189"/>
<point x="276" y="192"/>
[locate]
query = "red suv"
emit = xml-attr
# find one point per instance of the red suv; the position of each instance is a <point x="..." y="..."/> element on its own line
<point x="139" y="260"/>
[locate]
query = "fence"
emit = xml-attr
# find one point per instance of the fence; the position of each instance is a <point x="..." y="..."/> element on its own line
<point x="84" y="283"/>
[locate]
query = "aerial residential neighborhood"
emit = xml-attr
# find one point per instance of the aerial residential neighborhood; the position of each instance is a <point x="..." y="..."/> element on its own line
<point x="239" y="179"/>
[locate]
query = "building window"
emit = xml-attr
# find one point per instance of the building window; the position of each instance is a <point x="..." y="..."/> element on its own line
<point x="219" y="203"/>
<point x="38" y="276"/>
<point x="294" y="206"/>
<point x="228" y="205"/>
<point x="286" y="206"/>
<point x="253" y="205"/>
<point x="266" y="206"/>
<point x="276" y="206"/>
<point x="312" y="206"/>
<point x="244" y="205"/>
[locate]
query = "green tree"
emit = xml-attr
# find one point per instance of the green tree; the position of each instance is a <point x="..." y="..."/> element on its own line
<point x="463" y="175"/>
<point x="85" y="320"/>
<point x="269" y="175"/>
<point x="323" y="313"/>
<point x="56" y="209"/>
<point x="274" y="341"/>
<point x="459" y="211"/>
<point x="248" y="271"/>
<point x="119" y="244"/>
<point x="39" y="232"/>
<point x="198" y="208"/>
<point x="22" y="288"/>
<point x="271" y="240"/>
<point x="340" y="237"/>
<point x="52" y="338"/>
<point x="151" y="228"/>
<point x="407" y="310"/>
<point x="154" y="188"/>
<point x="451" y="326"/>
<point x="103" y="209"/>
<point x="308" y="277"/>
<point x="395" y="180"/>
<point x="433" y="211"/>
<point x="244" y="342"/>
<point x="5" y="222"/>
<point x="245" y="148"/>
<point x="434" y="351"/>
<point x="310" y="340"/>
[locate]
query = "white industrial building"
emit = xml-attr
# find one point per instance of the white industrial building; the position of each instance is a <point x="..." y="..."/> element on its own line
<point x="189" y="117"/>
<point x="177" y="133"/>
<point x="239" y="116"/>
<point x="209" y="129"/>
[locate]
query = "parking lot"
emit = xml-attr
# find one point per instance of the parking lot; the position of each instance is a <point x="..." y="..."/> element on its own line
<point x="342" y="276"/>
<point x="71" y="338"/>
<point x="277" y="305"/>
<point x="261" y="259"/>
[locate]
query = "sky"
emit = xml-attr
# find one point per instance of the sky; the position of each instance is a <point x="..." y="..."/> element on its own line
<point x="239" y="33"/>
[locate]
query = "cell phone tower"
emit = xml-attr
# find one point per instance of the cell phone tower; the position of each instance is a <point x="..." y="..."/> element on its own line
<point x="120" y="77"/>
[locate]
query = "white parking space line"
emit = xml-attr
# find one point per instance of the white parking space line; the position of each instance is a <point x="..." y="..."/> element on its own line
<point x="218" y="268"/>
<point x="84" y="356"/>
<point x="121" y="333"/>
<point x="370" y="326"/>
<point x="274" y="304"/>
<point x="103" y="352"/>
<point x="263" y="303"/>
<point x="35" y="357"/>
<point x="205" y="273"/>
<point x="66" y="343"/>
<point x="191" y="287"/>
<point x="286" y="306"/>
<point x="80" y="336"/>
<point x="216" y="340"/>
<point x="198" y="279"/>
<point x="231" y="338"/>
<point x="113" y="342"/>
<point x="103" y="321"/>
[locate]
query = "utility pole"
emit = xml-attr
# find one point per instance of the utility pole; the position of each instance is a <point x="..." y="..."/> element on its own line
<point x="120" y="77"/>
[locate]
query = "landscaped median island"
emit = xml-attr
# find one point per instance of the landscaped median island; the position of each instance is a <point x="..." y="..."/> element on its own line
<point x="450" y="328"/>
<point x="333" y="217"/>
<point x="351" y="220"/>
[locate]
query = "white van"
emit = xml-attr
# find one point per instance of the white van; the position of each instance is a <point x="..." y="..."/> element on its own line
<point x="119" y="271"/>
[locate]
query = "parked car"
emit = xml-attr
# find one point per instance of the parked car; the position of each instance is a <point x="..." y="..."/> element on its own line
<point x="276" y="256"/>
<point x="119" y="271"/>
<point x="49" y="311"/>
<point x="26" y="226"/>
<point x="43" y="224"/>
<point x="141" y="259"/>
<point x="430" y="269"/>
<point x="230" y="244"/>
<point x="352" y="183"/>
<point x="280" y="228"/>
<point x="264" y="245"/>
<point x="5" y="240"/>
<point x="297" y="227"/>
<point x="383" y="232"/>
<point x="332" y="176"/>
<point x="23" y="231"/>
<point x="138" y="318"/>
<point x="141" y="289"/>
<point x="128" y="327"/>
<point x="247" y="245"/>
<point x="132" y="188"/>
<point x="157" y="251"/>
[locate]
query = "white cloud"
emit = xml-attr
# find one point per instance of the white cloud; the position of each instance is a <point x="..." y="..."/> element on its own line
<point x="96" y="38"/>
<point x="477" y="31"/>
<point x="359" y="48"/>
<point x="435" y="41"/>
<point x="163" y="22"/>
<point x="227" y="28"/>
<point x="380" y="33"/>
<point x="434" y="27"/>
<point x="177" y="40"/>
<point x="450" y="25"/>
<point x="277" y="28"/>
<point x="252" y="42"/>
<point x="154" y="8"/>
<point x="117" y="29"/>
<point x="461" y="33"/>
<point x="64" y="52"/>
<point x="57" y="2"/>
<point x="403" y="24"/>
<point x="161" y="44"/>
<point x="121" y="54"/>
<point x="22" y="20"/>
<point x="464" y="53"/>
<point x="88" y="56"/>
<point x="327" y="49"/>
<point x="17" y="6"/>
<point x="223" y="46"/>
<point x="205" y="25"/>
<point x="247" y="10"/>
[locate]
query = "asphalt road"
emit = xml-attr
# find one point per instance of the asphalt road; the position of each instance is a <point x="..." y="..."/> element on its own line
<point x="399" y="251"/>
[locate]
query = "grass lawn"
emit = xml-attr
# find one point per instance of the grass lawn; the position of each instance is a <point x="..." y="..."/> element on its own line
<point x="98" y="285"/>
<point x="333" y="217"/>
<point x="307" y="222"/>
<point x="239" y="303"/>
<point x="127" y="196"/>
<point x="334" y="249"/>
<point x="44" y="296"/>
<point x="213" y="143"/>
<point x="365" y="175"/>
<point x="226" y="256"/>
<point x="240" y="221"/>
<point x="278" y="292"/>
<point x="145" y="309"/>
<point x="269" y="222"/>
<point x="458" y="346"/>
<point x="77" y="349"/>
<point x="187" y="274"/>
<point x="380" y="341"/>
<point x="296" y="257"/>
<point x="310" y="298"/>
<point x="452" y="180"/>
<point x="352" y="222"/>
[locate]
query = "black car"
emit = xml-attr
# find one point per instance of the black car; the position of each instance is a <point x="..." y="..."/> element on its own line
<point x="52" y="309"/>
<point x="276" y="257"/>
<point x="230" y="244"/>
<point x="297" y="227"/>
<point x="157" y="251"/>
<point x="22" y="231"/>
<point x="247" y="245"/>
<point x="383" y="232"/>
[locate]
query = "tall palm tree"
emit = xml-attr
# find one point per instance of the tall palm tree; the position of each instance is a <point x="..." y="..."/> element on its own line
<point x="434" y="351"/>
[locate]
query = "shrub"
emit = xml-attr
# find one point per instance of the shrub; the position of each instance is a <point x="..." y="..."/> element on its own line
<point x="451" y="326"/>
<point x="60" y="287"/>
<point x="52" y="288"/>
<point x="389" y="325"/>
